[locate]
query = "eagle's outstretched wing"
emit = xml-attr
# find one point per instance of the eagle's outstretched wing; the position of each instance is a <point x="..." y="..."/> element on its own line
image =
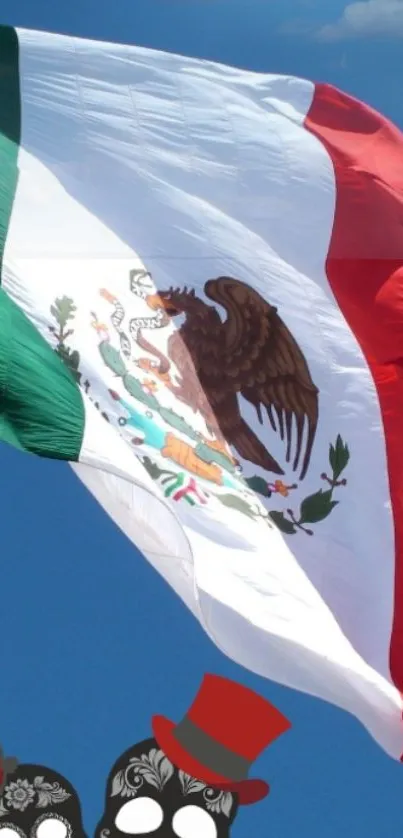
<point x="263" y="362"/>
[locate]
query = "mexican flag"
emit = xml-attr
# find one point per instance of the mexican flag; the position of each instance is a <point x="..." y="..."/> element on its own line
<point x="201" y="310"/>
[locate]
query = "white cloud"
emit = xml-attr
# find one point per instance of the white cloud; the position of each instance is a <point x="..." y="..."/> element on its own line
<point x="367" y="18"/>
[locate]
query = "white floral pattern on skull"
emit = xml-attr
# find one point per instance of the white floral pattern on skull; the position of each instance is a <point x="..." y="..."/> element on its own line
<point x="19" y="794"/>
<point x="153" y="768"/>
<point x="219" y="802"/>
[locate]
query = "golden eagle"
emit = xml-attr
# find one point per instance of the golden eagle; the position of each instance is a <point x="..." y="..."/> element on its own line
<point x="252" y="354"/>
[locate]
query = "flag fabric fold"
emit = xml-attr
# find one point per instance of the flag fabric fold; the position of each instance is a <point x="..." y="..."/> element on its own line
<point x="201" y="311"/>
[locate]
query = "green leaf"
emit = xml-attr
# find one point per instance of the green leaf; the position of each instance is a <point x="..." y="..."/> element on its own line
<point x="152" y="468"/>
<point x="111" y="358"/>
<point x="282" y="523"/>
<point x="211" y="455"/>
<point x="316" y="507"/>
<point x="74" y="363"/>
<point x="168" y="476"/>
<point x="71" y="359"/>
<point x="63" y="310"/>
<point x="339" y="456"/>
<point x="259" y="485"/>
<point x="135" y="389"/>
<point x="171" y="418"/>
<point x="74" y="360"/>
<point x="235" y="502"/>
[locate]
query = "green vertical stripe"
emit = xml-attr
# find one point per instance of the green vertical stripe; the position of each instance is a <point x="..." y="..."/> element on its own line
<point x="41" y="407"/>
<point x="10" y="127"/>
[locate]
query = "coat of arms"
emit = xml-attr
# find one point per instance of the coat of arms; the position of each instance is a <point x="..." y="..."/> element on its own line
<point x="185" y="369"/>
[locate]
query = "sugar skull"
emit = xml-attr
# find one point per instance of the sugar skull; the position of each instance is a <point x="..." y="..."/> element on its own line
<point x="189" y="779"/>
<point x="146" y="794"/>
<point x="36" y="802"/>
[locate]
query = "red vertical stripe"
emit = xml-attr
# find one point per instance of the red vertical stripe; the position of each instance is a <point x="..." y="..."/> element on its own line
<point x="365" y="272"/>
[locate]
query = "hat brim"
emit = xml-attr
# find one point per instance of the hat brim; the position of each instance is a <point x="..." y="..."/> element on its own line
<point x="248" y="791"/>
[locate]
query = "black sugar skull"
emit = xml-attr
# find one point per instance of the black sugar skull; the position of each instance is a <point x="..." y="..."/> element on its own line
<point x="36" y="802"/>
<point x="189" y="780"/>
<point x="147" y="795"/>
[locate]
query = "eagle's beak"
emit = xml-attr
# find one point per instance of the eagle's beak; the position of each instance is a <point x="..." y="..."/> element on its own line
<point x="154" y="301"/>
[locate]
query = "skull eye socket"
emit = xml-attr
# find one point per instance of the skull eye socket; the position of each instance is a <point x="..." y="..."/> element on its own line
<point x="139" y="816"/>
<point x="193" y="822"/>
<point x="11" y="831"/>
<point x="50" y="826"/>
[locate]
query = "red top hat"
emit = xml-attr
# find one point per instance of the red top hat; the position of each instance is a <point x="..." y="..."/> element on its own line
<point x="225" y="730"/>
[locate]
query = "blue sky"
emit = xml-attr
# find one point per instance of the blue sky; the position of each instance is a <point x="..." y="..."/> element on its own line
<point x="93" y="642"/>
